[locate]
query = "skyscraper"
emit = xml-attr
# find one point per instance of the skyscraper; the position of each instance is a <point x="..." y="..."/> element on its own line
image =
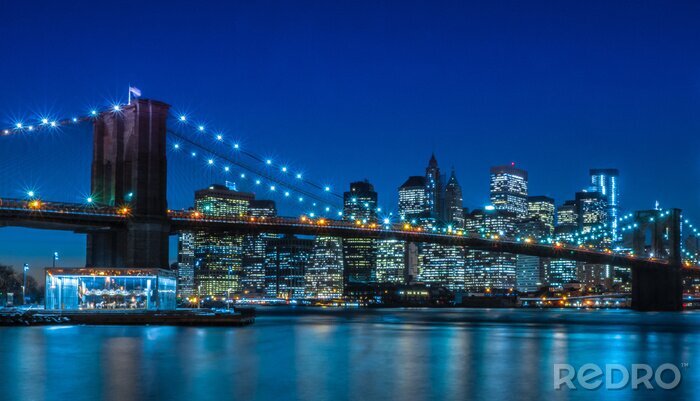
<point x="286" y="262"/>
<point x="218" y="261"/>
<point x="454" y="204"/>
<point x="490" y="269"/>
<point x="324" y="277"/>
<point x="360" y="205"/>
<point x="185" y="264"/>
<point x="434" y="189"/>
<point x="591" y="210"/>
<point x="413" y="200"/>
<point x="509" y="189"/>
<point x="254" y="248"/>
<point x="391" y="261"/>
<point x="542" y="208"/>
<point x="605" y="180"/>
<point x="567" y="218"/>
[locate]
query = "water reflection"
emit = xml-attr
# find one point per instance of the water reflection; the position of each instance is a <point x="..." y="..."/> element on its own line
<point x="353" y="355"/>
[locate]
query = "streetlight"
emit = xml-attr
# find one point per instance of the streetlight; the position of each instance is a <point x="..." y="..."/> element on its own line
<point x="55" y="258"/>
<point x="25" y="269"/>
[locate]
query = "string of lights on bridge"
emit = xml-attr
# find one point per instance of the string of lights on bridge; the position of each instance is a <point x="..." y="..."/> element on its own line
<point x="292" y="190"/>
<point x="286" y="189"/>
<point x="230" y="154"/>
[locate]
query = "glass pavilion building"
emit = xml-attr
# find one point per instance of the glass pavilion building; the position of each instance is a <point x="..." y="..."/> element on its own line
<point x="110" y="288"/>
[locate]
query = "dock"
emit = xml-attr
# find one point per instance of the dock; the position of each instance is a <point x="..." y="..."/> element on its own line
<point x="177" y="317"/>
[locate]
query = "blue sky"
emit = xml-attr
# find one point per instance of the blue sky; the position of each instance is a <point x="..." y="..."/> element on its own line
<point x="365" y="90"/>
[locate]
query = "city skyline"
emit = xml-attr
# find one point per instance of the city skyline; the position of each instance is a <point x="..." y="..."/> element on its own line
<point x="532" y="104"/>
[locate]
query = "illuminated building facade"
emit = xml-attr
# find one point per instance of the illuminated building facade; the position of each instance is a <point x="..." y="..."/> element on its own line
<point x="454" y="204"/>
<point x="567" y="218"/>
<point x="591" y="210"/>
<point x="542" y="208"/>
<point x="529" y="273"/>
<point x="413" y="200"/>
<point x="509" y="190"/>
<point x="287" y="260"/>
<point x="442" y="266"/>
<point x="434" y="190"/>
<point x="360" y="206"/>
<point x="605" y="181"/>
<point x="110" y="288"/>
<point x="218" y="257"/>
<point x="391" y="261"/>
<point x="255" y="247"/>
<point x="483" y="269"/>
<point x="324" y="277"/>
<point x="559" y="272"/>
<point x="185" y="264"/>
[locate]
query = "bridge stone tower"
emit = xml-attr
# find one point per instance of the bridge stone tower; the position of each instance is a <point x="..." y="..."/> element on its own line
<point x="658" y="290"/>
<point x="129" y="170"/>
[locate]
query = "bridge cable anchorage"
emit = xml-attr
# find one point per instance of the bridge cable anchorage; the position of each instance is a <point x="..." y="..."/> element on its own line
<point x="247" y="167"/>
<point x="267" y="162"/>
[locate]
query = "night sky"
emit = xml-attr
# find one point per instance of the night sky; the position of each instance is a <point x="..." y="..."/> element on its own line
<point x="364" y="90"/>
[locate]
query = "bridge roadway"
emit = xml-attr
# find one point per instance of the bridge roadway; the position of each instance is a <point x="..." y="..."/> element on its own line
<point x="85" y="218"/>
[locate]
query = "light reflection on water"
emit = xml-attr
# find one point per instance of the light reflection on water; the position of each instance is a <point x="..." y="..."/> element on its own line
<point x="314" y="354"/>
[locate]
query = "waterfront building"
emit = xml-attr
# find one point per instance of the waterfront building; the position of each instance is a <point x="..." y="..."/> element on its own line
<point x="528" y="273"/>
<point x="509" y="189"/>
<point x="255" y="247"/>
<point x="218" y="256"/>
<point x="391" y="261"/>
<point x="442" y="266"/>
<point x="286" y="262"/>
<point x="360" y="207"/>
<point x="94" y="288"/>
<point x="490" y="270"/>
<point x="324" y="277"/>
<point x="185" y="264"/>
<point x="558" y="272"/>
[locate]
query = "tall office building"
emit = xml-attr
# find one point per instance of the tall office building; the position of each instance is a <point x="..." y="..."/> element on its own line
<point x="567" y="218"/>
<point x="434" y="189"/>
<point x="528" y="273"/>
<point x="413" y="200"/>
<point x="254" y="248"/>
<point x="286" y="263"/>
<point x="360" y="205"/>
<point x="454" y="204"/>
<point x="558" y="272"/>
<point x="185" y="264"/>
<point x="442" y="266"/>
<point x="483" y="269"/>
<point x="605" y="181"/>
<point x="509" y="189"/>
<point x="591" y="210"/>
<point x="529" y="270"/>
<point x="324" y="277"/>
<point x="391" y="261"/>
<point x="218" y="257"/>
<point x="542" y="208"/>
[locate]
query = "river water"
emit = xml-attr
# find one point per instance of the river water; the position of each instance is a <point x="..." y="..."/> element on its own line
<point x="325" y="354"/>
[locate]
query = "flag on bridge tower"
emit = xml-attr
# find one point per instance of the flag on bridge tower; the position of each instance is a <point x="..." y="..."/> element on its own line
<point x="136" y="91"/>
